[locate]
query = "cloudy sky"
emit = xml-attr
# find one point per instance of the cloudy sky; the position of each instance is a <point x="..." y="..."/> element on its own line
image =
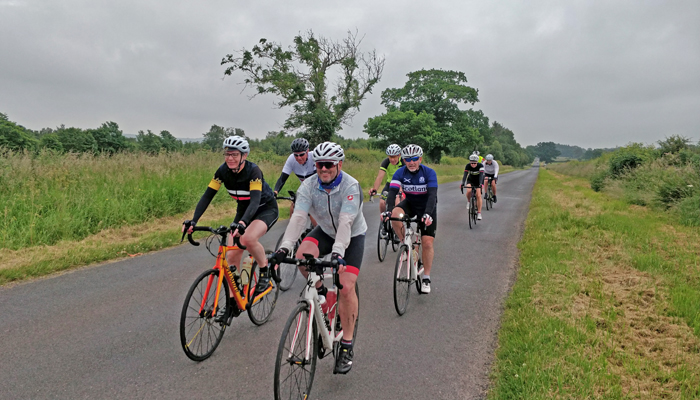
<point x="586" y="73"/>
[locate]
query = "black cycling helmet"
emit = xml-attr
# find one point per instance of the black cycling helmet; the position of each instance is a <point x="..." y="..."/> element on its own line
<point x="300" y="144"/>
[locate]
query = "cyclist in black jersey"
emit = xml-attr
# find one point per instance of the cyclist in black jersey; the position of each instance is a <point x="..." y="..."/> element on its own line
<point x="387" y="168"/>
<point x="474" y="177"/>
<point x="256" y="205"/>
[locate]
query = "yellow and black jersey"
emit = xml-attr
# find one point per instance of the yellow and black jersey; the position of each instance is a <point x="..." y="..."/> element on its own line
<point x="240" y="185"/>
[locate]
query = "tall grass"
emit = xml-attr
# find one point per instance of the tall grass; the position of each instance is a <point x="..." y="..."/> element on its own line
<point x="51" y="197"/>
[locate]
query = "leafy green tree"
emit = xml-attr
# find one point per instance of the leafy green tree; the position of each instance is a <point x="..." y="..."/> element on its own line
<point x="149" y="142"/>
<point x="439" y="94"/>
<point x="109" y="138"/>
<point x="673" y="144"/>
<point x="76" y="140"/>
<point x="299" y="77"/>
<point x="170" y="142"/>
<point x="546" y="151"/>
<point x="51" y="141"/>
<point x="13" y="136"/>
<point x="214" y="139"/>
<point x="404" y="127"/>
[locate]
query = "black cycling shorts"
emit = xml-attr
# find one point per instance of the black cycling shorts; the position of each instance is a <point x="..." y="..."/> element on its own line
<point x="495" y="180"/>
<point x="267" y="213"/>
<point x="425" y="231"/>
<point x="353" y="254"/>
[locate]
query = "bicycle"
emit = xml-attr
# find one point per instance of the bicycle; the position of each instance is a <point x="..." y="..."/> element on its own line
<point x="203" y="319"/>
<point x="312" y="331"/>
<point x="409" y="264"/>
<point x="385" y="235"/>
<point x="489" y="194"/>
<point x="288" y="272"/>
<point x="471" y="206"/>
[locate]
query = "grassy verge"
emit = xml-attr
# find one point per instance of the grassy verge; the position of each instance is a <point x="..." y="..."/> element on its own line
<point x="605" y="305"/>
<point x="85" y="209"/>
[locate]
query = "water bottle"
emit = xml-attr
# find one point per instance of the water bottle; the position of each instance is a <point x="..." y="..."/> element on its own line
<point x="246" y="265"/>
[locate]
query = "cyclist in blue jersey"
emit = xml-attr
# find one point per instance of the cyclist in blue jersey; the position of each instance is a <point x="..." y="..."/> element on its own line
<point x="419" y="184"/>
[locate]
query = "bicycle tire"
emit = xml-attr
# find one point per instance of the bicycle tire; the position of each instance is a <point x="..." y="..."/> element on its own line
<point x="402" y="281"/>
<point x="419" y="281"/>
<point x="394" y="240"/>
<point x="295" y="381"/>
<point x="259" y="312"/>
<point x="382" y="243"/>
<point x="469" y="212"/>
<point x="287" y="272"/>
<point x="474" y="211"/>
<point x="339" y="325"/>
<point x="486" y="200"/>
<point x="200" y="335"/>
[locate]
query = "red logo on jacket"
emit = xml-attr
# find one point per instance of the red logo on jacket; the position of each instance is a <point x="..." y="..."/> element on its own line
<point x="350" y="197"/>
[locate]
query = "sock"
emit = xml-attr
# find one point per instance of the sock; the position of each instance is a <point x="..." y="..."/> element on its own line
<point x="426" y="277"/>
<point x="346" y="344"/>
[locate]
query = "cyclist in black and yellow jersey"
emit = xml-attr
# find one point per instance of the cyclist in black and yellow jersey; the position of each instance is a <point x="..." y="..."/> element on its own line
<point x="387" y="168"/>
<point x="256" y="205"/>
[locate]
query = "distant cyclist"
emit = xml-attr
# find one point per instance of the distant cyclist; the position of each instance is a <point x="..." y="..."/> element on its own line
<point x="419" y="184"/>
<point x="334" y="199"/>
<point x="476" y="153"/>
<point x="387" y="168"/>
<point x="474" y="176"/>
<point x="256" y="206"/>
<point x="301" y="163"/>
<point x="491" y="171"/>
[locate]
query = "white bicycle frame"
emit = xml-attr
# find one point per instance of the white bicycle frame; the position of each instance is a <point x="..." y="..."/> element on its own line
<point x="310" y="296"/>
<point x="408" y="241"/>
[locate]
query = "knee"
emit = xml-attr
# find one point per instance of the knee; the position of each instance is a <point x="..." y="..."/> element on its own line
<point x="247" y="240"/>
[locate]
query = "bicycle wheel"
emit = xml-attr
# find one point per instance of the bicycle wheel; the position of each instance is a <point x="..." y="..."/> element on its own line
<point x="287" y="272"/>
<point x="199" y="333"/>
<point x="382" y="242"/>
<point x="470" y="207"/>
<point x="419" y="281"/>
<point x="402" y="281"/>
<point x="294" y="374"/>
<point x="474" y="211"/>
<point x="259" y="311"/>
<point x="394" y="240"/>
<point x="486" y="200"/>
<point x="339" y="325"/>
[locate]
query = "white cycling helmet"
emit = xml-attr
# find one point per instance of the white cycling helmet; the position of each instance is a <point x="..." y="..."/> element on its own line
<point x="489" y="157"/>
<point x="328" y="151"/>
<point x="476" y="152"/>
<point x="237" y="143"/>
<point x="393" y="150"/>
<point x="412" y="150"/>
<point x="473" y="157"/>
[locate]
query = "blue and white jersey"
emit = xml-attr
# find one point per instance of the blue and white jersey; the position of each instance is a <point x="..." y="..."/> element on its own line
<point x="415" y="184"/>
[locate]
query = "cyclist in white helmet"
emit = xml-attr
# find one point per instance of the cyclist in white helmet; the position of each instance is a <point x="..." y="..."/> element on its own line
<point x="387" y="168"/>
<point x="419" y="184"/>
<point x="334" y="199"/>
<point x="474" y="177"/>
<point x="256" y="205"/>
<point x="491" y="171"/>
<point x="301" y="163"/>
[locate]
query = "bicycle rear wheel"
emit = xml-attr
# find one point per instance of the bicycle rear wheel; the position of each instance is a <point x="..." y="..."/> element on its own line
<point x="394" y="239"/>
<point x="199" y="333"/>
<point x="402" y="281"/>
<point x="294" y="374"/>
<point x="487" y="200"/>
<point x="287" y="272"/>
<point x="382" y="242"/>
<point x="259" y="311"/>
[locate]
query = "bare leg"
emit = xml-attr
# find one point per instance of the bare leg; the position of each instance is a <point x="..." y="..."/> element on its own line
<point x="397" y="225"/>
<point x="348" y="304"/>
<point x="428" y="253"/>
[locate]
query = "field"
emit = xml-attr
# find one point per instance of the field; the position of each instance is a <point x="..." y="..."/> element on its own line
<point x="605" y="305"/>
<point x="62" y="211"/>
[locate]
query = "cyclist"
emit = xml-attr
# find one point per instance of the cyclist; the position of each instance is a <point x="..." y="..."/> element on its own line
<point x="256" y="205"/>
<point x="491" y="171"/>
<point x="301" y="163"/>
<point x="419" y="184"/>
<point x="386" y="170"/>
<point x="476" y="153"/>
<point x="474" y="176"/>
<point x="334" y="199"/>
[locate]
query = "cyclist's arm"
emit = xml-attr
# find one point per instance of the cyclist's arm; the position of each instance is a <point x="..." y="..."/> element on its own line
<point x="255" y="188"/>
<point x="495" y="175"/>
<point x="482" y="174"/>
<point x="207" y="197"/>
<point x="352" y="201"/>
<point x="464" y="177"/>
<point x="280" y="182"/>
<point x="380" y="178"/>
<point x="394" y="187"/>
<point x="432" y="193"/>
<point x="297" y="222"/>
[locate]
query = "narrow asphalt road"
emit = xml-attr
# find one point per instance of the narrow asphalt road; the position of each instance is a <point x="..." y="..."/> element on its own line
<point x="111" y="331"/>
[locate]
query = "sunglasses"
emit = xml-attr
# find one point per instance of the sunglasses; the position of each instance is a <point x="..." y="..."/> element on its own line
<point x="473" y="163"/>
<point x="409" y="159"/>
<point x="326" y="164"/>
<point x="299" y="155"/>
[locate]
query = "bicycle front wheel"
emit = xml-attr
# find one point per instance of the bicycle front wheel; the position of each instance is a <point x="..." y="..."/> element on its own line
<point x="260" y="308"/>
<point x="402" y="281"/>
<point x="200" y="334"/>
<point x="470" y="209"/>
<point x="294" y="373"/>
<point x="382" y="242"/>
<point x="287" y="272"/>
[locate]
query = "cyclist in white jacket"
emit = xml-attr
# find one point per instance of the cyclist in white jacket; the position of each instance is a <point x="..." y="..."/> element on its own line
<point x="334" y="200"/>
<point x="491" y="171"/>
